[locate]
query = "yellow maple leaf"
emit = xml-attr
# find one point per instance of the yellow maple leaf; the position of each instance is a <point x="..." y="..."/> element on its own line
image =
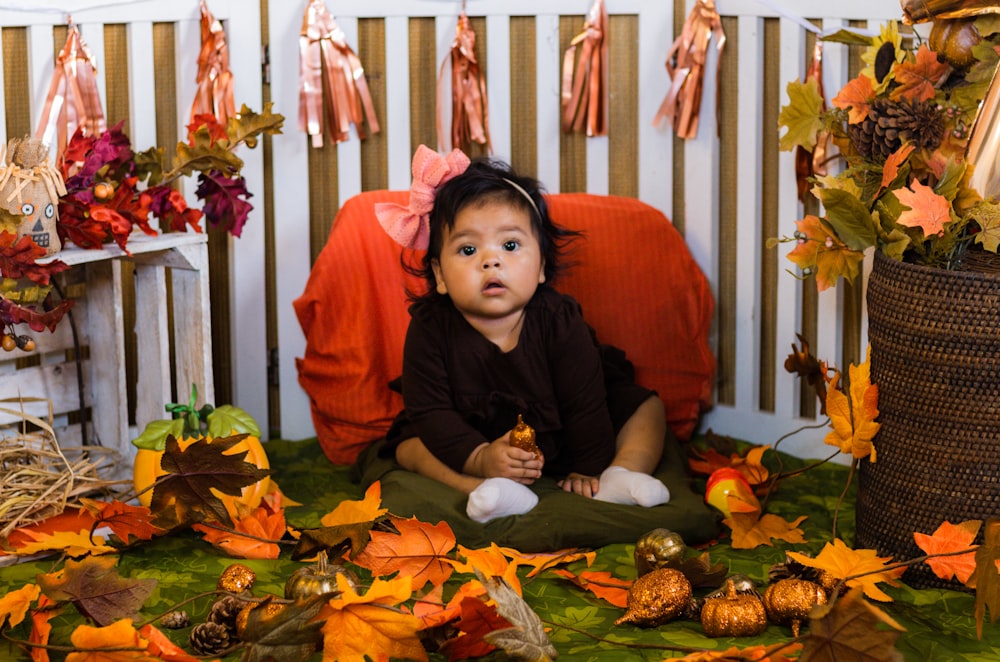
<point x="864" y="567"/>
<point x="491" y="561"/>
<point x="75" y="545"/>
<point x="545" y="560"/>
<point x="751" y="529"/>
<point x="119" y="635"/>
<point x="15" y="604"/>
<point x="352" y="512"/>
<point x="821" y="253"/>
<point x="852" y="419"/>
<point x="927" y="210"/>
<point x="371" y="625"/>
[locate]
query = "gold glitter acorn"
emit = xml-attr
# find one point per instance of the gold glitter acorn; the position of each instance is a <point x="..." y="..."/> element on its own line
<point x="734" y="615"/>
<point x="523" y="437"/>
<point x="789" y="601"/>
<point x="657" y="597"/>
<point x="236" y="578"/>
<point x="659" y="548"/>
<point x="268" y="610"/>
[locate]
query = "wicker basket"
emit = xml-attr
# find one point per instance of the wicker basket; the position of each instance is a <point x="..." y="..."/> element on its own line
<point x="935" y="356"/>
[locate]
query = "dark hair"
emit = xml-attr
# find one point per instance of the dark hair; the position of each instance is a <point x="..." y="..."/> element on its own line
<point x="484" y="182"/>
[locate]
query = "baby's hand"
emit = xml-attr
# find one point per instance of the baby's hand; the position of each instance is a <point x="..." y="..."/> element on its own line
<point x="580" y="484"/>
<point x="499" y="458"/>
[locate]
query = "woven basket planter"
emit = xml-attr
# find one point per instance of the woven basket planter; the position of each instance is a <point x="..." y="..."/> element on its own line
<point x="935" y="356"/>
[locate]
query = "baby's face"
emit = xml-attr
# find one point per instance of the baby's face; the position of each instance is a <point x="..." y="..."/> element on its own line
<point x="491" y="263"/>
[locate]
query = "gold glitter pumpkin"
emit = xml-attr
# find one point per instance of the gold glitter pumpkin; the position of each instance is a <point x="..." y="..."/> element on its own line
<point x="734" y="615"/>
<point x="318" y="579"/>
<point x="789" y="601"/>
<point x="267" y="611"/>
<point x="236" y="578"/>
<point x="523" y="437"/>
<point x="657" y="597"/>
<point x="660" y="548"/>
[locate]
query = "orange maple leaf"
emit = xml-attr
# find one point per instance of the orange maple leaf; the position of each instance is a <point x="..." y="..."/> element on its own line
<point x="951" y="538"/>
<point x="602" y="584"/>
<point x="843" y="562"/>
<point x="418" y="550"/>
<point x="773" y="653"/>
<point x="123" y="519"/>
<point x="748" y="465"/>
<point x="41" y="629"/>
<point x="263" y="528"/>
<point x="14" y="606"/>
<point x="491" y="561"/>
<point x="432" y="613"/>
<point x="927" y="210"/>
<point x="750" y="529"/>
<point x="162" y="648"/>
<point x="352" y="512"/>
<point x="918" y="79"/>
<point x="120" y="634"/>
<point x="71" y="519"/>
<point x="545" y="560"/>
<point x="74" y="544"/>
<point x="856" y="97"/>
<point x="852" y="419"/>
<point x="371" y="624"/>
<point x="820" y="252"/>
<point x="892" y="164"/>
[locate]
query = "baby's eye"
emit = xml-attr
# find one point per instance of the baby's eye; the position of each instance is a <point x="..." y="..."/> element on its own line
<point x="467" y="250"/>
<point x="511" y="245"/>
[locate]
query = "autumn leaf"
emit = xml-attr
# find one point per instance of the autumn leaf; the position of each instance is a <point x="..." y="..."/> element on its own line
<point x="18" y="259"/>
<point x="95" y="588"/>
<point x="893" y="163"/>
<point x="291" y="633"/>
<point x="783" y="652"/>
<point x="225" y="200"/>
<point x="849" y="629"/>
<point x="918" y="80"/>
<point x="14" y="606"/>
<point x="751" y="529"/>
<point x="196" y="475"/>
<point x="852" y="419"/>
<point x="526" y="638"/>
<point x="988" y="576"/>
<point x="927" y="210"/>
<point x="821" y="253"/>
<point x="490" y="561"/>
<point x="476" y="621"/>
<point x="842" y="562"/>
<point x="803" y="363"/>
<point x="162" y="648"/>
<point x="351" y="512"/>
<point x="602" y="584"/>
<point x="856" y="98"/>
<point x="123" y="519"/>
<point x="701" y="572"/>
<point x="118" y="635"/>
<point x="987" y="215"/>
<point x="349" y="525"/>
<point x="72" y="543"/>
<point x="417" y="550"/>
<point x="543" y="561"/>
<point x="801" y="116"/>
<point x="41" y="628"/>
<point x="371" y="624"/>
<point x="946" y="539"/>
<point x="263" y="528"/>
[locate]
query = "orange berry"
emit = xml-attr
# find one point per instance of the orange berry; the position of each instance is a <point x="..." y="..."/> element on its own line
<point x="103" y="190"/>
<point x="9" y="343"/>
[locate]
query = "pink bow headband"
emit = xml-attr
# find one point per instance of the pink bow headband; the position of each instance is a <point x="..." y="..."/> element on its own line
<point x="409" y="226"/>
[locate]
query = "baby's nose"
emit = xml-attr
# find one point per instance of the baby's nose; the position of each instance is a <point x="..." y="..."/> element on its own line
<point x="491" y="261"/>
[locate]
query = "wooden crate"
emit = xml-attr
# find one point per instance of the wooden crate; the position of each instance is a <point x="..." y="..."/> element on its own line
<point x="162" y="368"/>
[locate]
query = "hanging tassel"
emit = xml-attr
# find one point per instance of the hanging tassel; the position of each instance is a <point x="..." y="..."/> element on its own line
<point x="469" y="111"/>
<point x="810" y="163"/>
<point x="214" y="95"/>
<point x="686" y="69"/>
<point x="332" y="84"/>
<point x="584" y="92"/>
<point x="73" y="101"/>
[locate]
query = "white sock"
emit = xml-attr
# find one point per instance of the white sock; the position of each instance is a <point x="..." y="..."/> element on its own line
<point x="498" y="497"/>
<point x="620" y="485"/>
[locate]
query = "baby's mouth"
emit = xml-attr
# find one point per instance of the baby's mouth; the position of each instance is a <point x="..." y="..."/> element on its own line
<point x="493" y="286"/>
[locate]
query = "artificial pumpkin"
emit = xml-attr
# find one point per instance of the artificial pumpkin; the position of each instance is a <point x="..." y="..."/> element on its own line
<point x="190" y="425"/>
<point x="659" y="548"/>
<point x="733" y="615"/>
<point x="953" y="41"/>
<point x="318" y="579"/>
<point x="789" y="601"/>
<point x="656" y="598"/>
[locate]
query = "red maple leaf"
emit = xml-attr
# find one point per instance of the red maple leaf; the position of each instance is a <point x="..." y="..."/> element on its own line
<point x="226" y="205"/>
<point x="18" y="259"/>
<point x="216" y="131"/>
<point x="123" y="519"/>
<point x="477" y="620"/>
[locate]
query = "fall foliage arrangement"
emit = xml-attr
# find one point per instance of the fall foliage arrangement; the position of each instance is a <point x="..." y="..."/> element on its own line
<point x="901" y="129"/>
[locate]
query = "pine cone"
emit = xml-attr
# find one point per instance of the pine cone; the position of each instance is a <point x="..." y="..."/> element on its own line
<point x="792" y="570"/>
<point x="175" y="620"/>
<point x="209" y="638"/>
<point x="891" y="123"/>
<point x="224" y="612"/>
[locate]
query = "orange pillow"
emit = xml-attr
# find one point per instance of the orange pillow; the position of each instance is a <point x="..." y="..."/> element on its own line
<point x="639" y="286"/>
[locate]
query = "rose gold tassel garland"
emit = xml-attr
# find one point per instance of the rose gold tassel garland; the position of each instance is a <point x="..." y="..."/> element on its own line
<point x="809" y="163"/>
<point x="73" y="101"/>
<point x="469" y="110"/>
<point x="333" y="89"/>
<point x="585" y="91"/>
<point x="686" y="69"/>
<point x="214" y="95"/>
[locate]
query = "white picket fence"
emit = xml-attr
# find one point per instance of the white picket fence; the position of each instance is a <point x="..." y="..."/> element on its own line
<point x="703" y="191"/>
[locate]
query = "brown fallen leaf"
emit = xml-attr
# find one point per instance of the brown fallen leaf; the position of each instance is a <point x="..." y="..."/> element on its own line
<point x="847" y="629"/>
<point x="987" y="577"/>
<point x="526" y="640"/>
<point x="96" y="589"/>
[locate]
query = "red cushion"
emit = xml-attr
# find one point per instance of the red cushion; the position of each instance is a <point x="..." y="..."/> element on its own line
<point x="634" y="276"/>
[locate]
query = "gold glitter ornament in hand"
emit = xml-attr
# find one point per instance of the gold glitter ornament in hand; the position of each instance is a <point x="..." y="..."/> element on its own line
<point x="789" y="601"/>
<point x="657" y="597"/>
<point x="523" y="437"/>
<point x="734" y="614"/>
